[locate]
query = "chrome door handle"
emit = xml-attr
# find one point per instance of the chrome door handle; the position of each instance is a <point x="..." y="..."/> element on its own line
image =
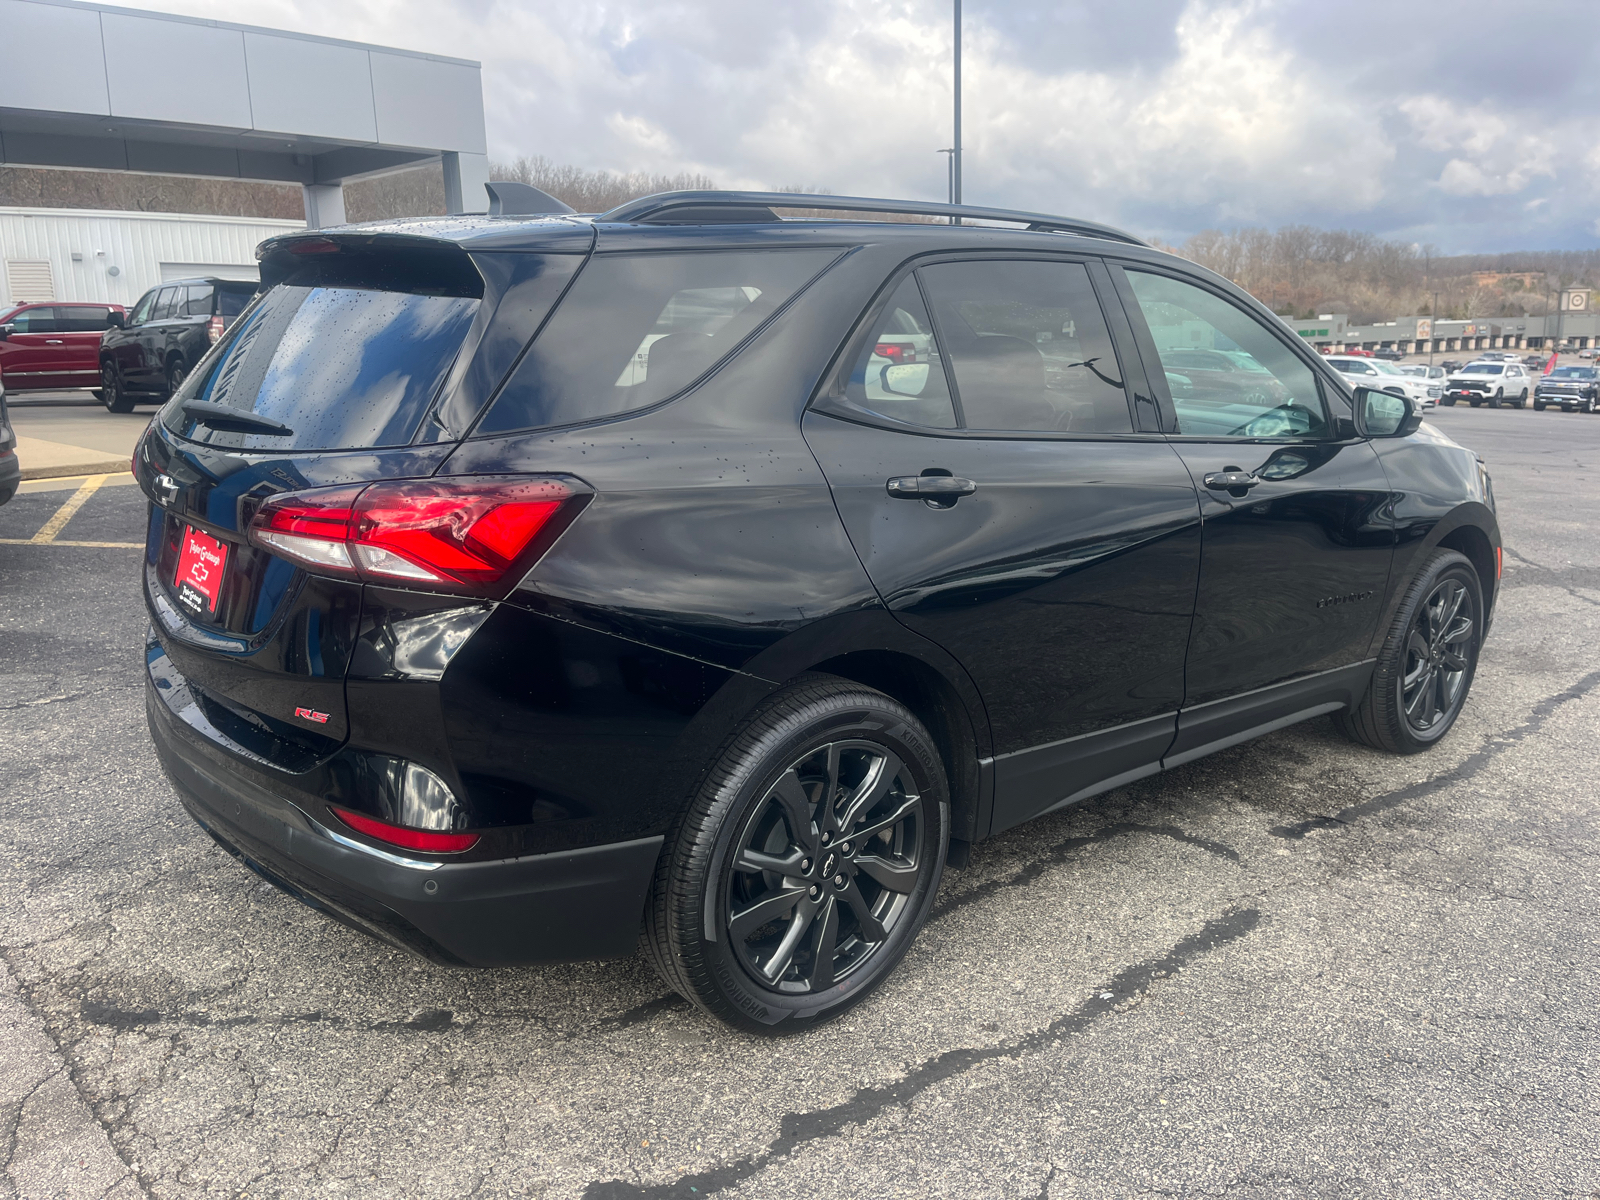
<point x="54" y="342"/>
<point x="1231" y="480"/>
<point x="930" y="487"/>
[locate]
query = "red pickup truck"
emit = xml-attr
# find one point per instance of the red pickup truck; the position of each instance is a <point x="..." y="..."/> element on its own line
<point x="45" y="347"/>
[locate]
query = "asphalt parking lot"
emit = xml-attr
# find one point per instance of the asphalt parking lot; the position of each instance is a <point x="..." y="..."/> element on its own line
<point x="1297" y="968"/>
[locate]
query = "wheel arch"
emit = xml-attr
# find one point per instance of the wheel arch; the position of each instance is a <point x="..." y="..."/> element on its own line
<point x="870" y="647"/>
<point x="1470" y="529"/>
<point x="1472" y="541"/>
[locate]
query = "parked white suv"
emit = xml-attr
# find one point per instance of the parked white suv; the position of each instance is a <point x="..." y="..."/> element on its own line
<point x="1491" y="383"/>
<point x="1386" y="377"/>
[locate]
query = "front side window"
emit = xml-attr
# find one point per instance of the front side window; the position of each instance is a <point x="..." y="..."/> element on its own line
<point x="1028" y="346"/>
<point x="36" y="320"/>
<point x="1266" y="391"/>
<point x="141" y="311"/>
<point x="637" y="329"/>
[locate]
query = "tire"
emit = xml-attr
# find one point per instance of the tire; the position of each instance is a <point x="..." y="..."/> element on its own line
<point x="1448" y="401"/>
<point x="1494" y="400"/>
<point x="1432" y="645"/>
<point x="176" y="374"/>
<point x="1522" y="399"/>
<point x="1589" y="405"/>
<point x="1538" y="406"/>
<point x="1475" y="403"/>
<point x="761" y="803"/>
<point x="112" y="394"/>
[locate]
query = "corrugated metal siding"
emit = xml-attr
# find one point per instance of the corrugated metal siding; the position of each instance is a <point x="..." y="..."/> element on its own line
<point x="135" y="243"/>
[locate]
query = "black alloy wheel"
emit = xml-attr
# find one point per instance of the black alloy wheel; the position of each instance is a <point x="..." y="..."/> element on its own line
<point x="176" y="374"/>
<point x="802" y="871"/>
<point x="1428" y="661"/>
<point x="112" y="394"/>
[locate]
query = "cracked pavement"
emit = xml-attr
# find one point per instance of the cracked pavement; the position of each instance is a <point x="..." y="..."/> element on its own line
<point x="1296" y="968"/>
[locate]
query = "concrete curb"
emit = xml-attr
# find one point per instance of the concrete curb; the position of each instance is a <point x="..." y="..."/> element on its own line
<point x="105" y="466"/>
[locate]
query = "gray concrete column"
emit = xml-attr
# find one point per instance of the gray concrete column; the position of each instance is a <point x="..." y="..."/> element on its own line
<point x="464" y="177"/>
<point x="324" y="204"/>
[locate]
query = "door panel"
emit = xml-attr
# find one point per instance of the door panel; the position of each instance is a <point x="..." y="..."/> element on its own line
<point x="1064" y="583"/>
<point x="1295" y="559"/>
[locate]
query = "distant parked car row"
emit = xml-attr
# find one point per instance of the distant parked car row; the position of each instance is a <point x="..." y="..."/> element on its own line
<point x="137" y="357"/>
<point x="1386" y="377"/>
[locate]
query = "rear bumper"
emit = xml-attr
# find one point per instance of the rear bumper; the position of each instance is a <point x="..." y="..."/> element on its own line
<point x="576" y="904"/>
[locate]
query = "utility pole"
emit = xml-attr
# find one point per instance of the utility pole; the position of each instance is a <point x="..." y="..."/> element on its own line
<point x="950" y="172"/>
<point x="955" y="153"/>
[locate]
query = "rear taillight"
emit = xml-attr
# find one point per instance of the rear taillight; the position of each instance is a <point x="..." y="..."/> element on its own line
<point x="476" y="535"/>
<point x="895" y="352"/>
<point x="411" y="839"/>
<point x="214" y="329"/>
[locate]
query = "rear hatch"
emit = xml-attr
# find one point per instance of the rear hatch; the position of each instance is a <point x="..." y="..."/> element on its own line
<point x="330" y="378"/>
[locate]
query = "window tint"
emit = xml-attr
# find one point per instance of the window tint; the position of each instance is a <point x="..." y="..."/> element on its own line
<point x="36" y="320"/>
<point x="1264" y="390"/>
<point x="341" y="366"/>
<point x="141" y="311"/>
<point x="1028" y="346"/>
<point x="899" y="373"/>
<point x="231" y="301"/>
<point x="199" y="302"/>
<point x="83" y="318"/>
<point x="636" y="329"/>
<point x="167" y="303"/>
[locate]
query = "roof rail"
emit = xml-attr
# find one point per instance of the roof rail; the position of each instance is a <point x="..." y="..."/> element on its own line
<point x="690" y="208"/>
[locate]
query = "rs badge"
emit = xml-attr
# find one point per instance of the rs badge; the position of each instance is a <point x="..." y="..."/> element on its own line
<point x="311" y="714"/>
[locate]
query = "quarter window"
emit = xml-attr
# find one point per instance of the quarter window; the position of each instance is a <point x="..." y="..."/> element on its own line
<point x="637" y="329"/>
<point x="1246" y="384"/>
<point x="1028" y="346"/>
<point x="900" y="373"/>
<point x="199" y="303"/>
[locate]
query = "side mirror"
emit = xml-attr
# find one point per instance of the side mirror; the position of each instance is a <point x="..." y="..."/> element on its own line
<point x="1384" y="414"/>
<point x="905" y="379"/>
<point x="6" y="331"/>
<point x="116" y="320"/>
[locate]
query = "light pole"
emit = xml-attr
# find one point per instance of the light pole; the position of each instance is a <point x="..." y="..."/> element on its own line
<point x="955" y="152"/>
<point x="950" y="171"/>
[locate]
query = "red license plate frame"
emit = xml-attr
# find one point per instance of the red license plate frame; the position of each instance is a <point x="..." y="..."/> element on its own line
<point x="202" y="566"/>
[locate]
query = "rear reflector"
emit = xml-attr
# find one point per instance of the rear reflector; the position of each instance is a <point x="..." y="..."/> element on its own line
<point x="412" y="839"/>
<point x="478" y="535"/>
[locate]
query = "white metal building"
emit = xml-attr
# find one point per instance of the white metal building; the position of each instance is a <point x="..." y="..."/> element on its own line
<point x="115" y="257"/>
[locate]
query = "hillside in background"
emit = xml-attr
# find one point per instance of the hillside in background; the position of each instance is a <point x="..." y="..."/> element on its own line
<point x="1297" y="270"/>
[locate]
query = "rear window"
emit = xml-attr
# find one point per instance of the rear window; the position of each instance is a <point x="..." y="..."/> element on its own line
<point x="637" y="329"/>
<point x="231" y="301"/>
<point x="344" y="361"/>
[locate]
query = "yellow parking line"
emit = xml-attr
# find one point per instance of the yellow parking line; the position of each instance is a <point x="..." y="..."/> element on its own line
<point x="33" y="541"/>
<point x="67" y="511"/>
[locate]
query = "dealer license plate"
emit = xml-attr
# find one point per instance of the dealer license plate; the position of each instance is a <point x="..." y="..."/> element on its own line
<point x="201" y="564"/>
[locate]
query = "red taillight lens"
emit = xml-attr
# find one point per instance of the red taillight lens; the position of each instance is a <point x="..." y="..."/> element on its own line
<point x="895" y="352"/>
<point x="473" y="535"/>
<point x="214" y="329"/>
<point x="412" y="839"/>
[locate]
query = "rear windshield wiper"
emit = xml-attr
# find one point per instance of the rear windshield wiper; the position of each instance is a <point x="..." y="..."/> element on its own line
<point x="233" y="420"/>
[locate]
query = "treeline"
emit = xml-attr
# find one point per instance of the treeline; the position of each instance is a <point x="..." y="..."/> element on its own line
<point x="1301" y="271"/>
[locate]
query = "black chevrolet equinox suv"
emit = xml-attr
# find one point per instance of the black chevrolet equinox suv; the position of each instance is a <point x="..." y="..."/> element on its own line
<point x="525" y="586"/>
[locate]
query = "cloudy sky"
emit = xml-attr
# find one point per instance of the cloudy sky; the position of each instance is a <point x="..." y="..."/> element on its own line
<point x="1469" y="125"/>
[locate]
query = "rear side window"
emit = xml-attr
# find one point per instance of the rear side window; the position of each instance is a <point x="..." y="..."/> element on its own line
<point x="344" y="360"/>
<point x="637" y="329"/>
<point x="1029" y="346"/>
<point x="87" y="318"/>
